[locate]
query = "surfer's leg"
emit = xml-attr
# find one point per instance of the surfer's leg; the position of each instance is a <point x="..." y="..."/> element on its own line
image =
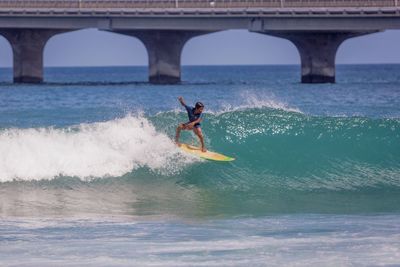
<point x="181" y="127"/>
<point x="197" y="131"/>
<point x="178" y="133"/>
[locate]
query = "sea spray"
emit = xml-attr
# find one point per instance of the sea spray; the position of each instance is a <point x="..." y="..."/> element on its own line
<point x="104" y="149"/>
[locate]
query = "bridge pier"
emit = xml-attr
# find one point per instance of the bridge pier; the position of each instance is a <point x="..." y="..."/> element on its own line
<point x="164" y="48"/>
<point x="317" y="52"/>
<point x="28" y="46"/>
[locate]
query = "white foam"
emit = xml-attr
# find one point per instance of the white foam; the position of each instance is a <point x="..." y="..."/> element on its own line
<point x="293" y="240"/>
<point x="111" y="148"/>
<point x="269" y="101"/>
<point x="248" y="99"/>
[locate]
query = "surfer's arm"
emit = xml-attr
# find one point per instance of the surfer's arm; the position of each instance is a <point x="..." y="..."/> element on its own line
<point x="182" y="101"/>
<point x="188" y="109"/>
<point x="192" y="123"/>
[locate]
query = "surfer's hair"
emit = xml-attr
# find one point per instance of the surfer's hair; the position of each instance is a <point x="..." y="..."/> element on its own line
<point x="199" y="105"/>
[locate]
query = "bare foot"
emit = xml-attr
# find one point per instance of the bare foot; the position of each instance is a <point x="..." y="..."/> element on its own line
<point x="177" y="143"/>
<point x="203" y="149"/>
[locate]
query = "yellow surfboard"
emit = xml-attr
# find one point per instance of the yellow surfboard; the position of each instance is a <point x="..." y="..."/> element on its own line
<point x="205" y="155"/>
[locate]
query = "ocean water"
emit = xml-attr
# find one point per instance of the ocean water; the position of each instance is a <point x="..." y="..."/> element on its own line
<point x="90" y="176"/>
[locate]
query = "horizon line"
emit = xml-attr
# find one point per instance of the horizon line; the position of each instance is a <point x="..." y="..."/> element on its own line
<point x="203" y="65"/>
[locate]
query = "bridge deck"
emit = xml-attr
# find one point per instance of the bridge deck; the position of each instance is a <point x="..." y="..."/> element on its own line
<point x="206" y="12"/>
<point x="215" y="4"/>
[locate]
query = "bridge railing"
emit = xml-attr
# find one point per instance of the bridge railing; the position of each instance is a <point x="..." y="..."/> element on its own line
<point x="121" y="4"/>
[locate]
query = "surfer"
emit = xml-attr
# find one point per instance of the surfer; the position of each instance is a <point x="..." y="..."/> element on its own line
<point x="195" y="117"/>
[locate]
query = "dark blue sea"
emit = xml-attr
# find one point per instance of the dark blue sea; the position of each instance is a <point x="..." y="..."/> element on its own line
<point x="90" y="176"/>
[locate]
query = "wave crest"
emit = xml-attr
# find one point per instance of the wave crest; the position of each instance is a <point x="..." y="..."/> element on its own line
<point x="103" y="149"/>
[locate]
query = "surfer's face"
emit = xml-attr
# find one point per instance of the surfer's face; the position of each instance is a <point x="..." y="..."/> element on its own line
<point x="199" y="110"/>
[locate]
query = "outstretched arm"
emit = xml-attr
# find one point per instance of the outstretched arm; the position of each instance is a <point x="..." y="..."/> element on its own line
<point x="182" y="101"/>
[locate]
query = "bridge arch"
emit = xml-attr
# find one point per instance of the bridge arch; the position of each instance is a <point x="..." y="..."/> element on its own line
<point x="239" y="47"/>
<point x="75" y="48"/>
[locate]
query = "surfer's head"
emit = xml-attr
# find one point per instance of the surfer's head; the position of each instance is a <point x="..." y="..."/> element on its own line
<point x="199" y="106"/>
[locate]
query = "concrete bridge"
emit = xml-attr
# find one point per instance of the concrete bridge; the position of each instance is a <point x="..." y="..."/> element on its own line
<point x="316" y="27"/>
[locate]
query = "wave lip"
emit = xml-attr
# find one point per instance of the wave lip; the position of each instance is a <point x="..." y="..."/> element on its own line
<point x="103" y="149"/>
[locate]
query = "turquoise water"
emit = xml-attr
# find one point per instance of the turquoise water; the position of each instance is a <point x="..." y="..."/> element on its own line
<point x="90" y="151"/>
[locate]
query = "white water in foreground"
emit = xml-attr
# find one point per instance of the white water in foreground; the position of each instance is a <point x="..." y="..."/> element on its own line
<point x="295" y="240"/>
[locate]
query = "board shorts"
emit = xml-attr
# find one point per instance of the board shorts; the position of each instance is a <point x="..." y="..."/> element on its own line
<point x="197" y="125"/>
